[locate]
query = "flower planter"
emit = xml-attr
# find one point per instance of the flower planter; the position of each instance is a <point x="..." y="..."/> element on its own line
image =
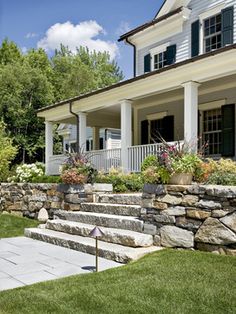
<point x="181" y="179"/>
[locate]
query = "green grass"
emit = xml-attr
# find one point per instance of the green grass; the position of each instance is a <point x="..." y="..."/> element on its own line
<point x="168" y="281"/>
<point x="13" y="226"/>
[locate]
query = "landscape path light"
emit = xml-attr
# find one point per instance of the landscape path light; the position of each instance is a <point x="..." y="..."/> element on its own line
<point x="96" y="232"/>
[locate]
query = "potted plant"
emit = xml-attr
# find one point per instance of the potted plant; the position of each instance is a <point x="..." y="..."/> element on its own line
<point x="78" y="170"/>
<point x="180" y="163"/>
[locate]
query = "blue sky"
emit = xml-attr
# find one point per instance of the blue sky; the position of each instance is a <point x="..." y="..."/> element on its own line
<point x="96" y="23"/>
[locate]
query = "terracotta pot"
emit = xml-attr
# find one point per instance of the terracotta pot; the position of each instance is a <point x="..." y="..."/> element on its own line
<point x="181" y="179"/>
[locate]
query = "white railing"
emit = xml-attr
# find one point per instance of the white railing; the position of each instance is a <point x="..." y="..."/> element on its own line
<point x="105" y="159"/>
<point x="137" y="154"/>
<point x="55" y="162"/>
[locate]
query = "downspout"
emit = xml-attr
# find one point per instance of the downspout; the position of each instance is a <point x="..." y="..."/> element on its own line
<point x="135" y="54"/>
<point x="77" y="127"/>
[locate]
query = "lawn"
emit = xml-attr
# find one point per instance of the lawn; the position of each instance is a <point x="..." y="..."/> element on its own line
<point x="169" y="281"/>
<point x="13" y="226"/>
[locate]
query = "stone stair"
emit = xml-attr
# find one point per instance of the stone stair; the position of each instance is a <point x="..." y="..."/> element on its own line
<point x="123" y="239"/>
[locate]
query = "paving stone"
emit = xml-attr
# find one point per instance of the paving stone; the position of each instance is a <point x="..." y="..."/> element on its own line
<point x="10" y="283"/>
<point x="38" y="276"/>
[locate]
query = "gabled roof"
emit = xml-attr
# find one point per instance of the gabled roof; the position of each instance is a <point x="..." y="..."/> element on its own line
<point x="170" y="5"/>
<point x="149" y="24"/>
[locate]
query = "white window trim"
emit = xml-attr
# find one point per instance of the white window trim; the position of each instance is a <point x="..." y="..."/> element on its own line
<point x="205" y="107"/>
<point x="212" y="105"/>
<point x="214" y="11"/>
<point x="157" y="50"/>
<point x="156" y="116"/>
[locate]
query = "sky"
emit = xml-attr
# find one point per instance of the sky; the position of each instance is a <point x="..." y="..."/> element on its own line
<point x="93" y="23"/>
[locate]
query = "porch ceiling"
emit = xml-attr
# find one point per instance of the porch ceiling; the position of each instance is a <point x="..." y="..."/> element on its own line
<point x="201" y="69"/>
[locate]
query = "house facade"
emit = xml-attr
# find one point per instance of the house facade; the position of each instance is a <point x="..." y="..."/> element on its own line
<point x="184" y="88"/>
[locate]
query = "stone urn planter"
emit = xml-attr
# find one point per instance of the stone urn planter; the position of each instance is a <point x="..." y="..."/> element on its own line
<point x="181" y="179"/>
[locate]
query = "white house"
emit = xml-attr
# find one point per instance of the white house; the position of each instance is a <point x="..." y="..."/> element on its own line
<point x="184" y="86"/>
<point x="108" y="138"/>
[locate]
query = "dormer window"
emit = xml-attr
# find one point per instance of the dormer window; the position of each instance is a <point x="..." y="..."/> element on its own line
<point x="160" y="60"/>
<point x="212" y="33"/>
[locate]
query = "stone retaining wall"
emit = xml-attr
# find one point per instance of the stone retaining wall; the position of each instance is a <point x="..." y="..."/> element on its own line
<point x="26" y="199"/>
<point x="196" y="216"/>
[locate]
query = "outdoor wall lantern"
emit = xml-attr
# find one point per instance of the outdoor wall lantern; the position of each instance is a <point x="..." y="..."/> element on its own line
<point x="96" y="232"/>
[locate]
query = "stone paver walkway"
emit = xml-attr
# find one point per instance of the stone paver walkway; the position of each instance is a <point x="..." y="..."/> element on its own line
<point x="25" y="261"/>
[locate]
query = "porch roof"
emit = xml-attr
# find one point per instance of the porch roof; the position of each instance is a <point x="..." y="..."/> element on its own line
<point x="203" y="68"/>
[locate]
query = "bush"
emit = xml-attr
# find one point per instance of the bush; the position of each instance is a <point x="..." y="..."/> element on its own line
<point x="222" y="178"/>
<point x="28" y="173"/>
<point x="121" y="182"/>
<point x="7" y="153"/>
<point x="47" y="179"/>
<point x="149" y="161"/>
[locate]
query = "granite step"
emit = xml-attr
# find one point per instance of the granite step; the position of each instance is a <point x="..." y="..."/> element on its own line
<point x="103" y="220"/>
<point x="112" y="235"/>
<point x="115" y="252"/>
<point x="113" y="209"/>
<point x="125" y="199"/>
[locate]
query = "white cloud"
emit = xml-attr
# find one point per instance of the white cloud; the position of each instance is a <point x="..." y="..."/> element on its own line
<point x="24" y="50"/>
<point x="31" y="35"/>
<point x="82" y="34"/>
<point x="123" y="28"/>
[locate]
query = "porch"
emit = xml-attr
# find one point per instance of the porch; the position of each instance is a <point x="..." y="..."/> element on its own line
<point x="182" y="103"/>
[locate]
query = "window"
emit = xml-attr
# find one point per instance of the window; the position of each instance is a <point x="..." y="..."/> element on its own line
<point x="212" y="33"/>
<point x="160" y="60"/>
<point x="156" y="131"/>
<point x="212" y="131"/>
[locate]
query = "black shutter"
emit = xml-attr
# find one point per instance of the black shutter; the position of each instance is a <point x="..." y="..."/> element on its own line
<point x="101" y="143"/>
<point x="171" y="54"/>
<point x="147" y="63"/>
<point x="168" y="128"/>
<point x="87" y="145"/>
<point x="195" y="38"/>
<point x="144" y="132"/>
<point x="228" y="130"/>
<point x="227" y="26"/>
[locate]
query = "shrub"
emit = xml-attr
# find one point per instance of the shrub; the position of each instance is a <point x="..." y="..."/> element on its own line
<point x="222" y="178"/>
<point x="28" y="173"/>
<point x="7" y="153"/>
<point x="47" y="179"/>
<point x="149" y="161"/>
<point x="121" y="182"/>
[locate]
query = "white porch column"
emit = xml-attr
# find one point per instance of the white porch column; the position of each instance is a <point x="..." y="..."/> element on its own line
<point x="82" y="130"/>
<point x="191" y="113"/>
<point x="96" y="138"/>
<point x="126" y="132"/>
<point x="48" y="145"/>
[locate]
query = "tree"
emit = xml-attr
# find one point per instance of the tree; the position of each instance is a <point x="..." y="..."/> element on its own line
<point x="7" y="152"/>
<point x="33" y="80"/>
<point x="9" y="52"/>
<point x="82" y="72"/>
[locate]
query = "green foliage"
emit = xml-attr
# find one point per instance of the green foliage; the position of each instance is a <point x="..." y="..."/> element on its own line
<point x="121" y="182"/>
<point x="222" y="178"/>
<point x="149" y="161"/>
<point x="7" y="153"/>
<point x="47" y="179"/>
<point x="33" y="80"/>
<point x="186" y="164"/>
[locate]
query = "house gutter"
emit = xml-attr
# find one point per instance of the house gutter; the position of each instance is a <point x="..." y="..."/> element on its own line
<point x="77" y="127"/>
<point x="135" y="54"/>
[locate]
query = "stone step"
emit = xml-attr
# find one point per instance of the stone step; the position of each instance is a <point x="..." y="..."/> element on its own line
<point x="115" y="252"/>
<point x="112" y="235"/>
<point x="103" y="220"/>
<point x="113" y="209"/>
<point x="125" y="199"/>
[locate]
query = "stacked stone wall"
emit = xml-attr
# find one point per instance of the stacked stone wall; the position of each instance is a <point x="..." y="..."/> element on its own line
<point x="25" y="199"/>
<point x="196" y="216"/>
